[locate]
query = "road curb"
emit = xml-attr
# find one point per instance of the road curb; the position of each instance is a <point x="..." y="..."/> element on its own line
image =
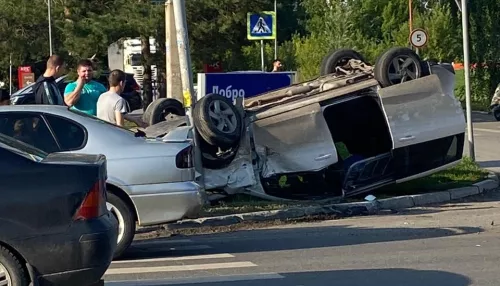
<point x="342" y="209"/>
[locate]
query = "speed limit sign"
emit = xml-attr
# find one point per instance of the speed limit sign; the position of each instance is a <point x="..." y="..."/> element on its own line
<point x="418" y="38"/>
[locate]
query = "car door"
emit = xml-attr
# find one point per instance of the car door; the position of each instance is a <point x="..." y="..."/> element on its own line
<point x="30" y="128"/>
<point x="426" y="122"/>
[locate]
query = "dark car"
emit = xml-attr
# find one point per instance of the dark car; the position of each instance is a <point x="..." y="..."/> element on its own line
<point x="55" y="226"/>
<point x="131" y="93"/>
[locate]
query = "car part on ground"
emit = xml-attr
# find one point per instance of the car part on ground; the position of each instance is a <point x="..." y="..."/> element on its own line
<point x="71" y="224"/>
<point x="153" y="177"/>
<point x="218" y="121"/>
<point x="160" y="110"/>
<point x="338" y="59"/>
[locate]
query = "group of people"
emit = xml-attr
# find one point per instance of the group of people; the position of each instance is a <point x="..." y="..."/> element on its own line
<point x="84" y="94"/>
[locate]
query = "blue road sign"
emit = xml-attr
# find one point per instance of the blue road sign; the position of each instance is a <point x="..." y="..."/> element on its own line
<point x="261" y="26"/>
<point x="243" y="84"/>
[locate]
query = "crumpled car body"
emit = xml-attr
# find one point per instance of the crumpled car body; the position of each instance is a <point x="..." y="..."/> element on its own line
<point x="391" y="135"/>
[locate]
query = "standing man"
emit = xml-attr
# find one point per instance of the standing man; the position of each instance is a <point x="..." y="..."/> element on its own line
<point x="45" y="87"/>
<point x="83" y="93"/>
<point x="4" y="97"/>
<point x="111" y="106"/>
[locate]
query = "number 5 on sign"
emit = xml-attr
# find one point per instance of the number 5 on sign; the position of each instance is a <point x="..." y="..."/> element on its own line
<point x="418" y="38"/>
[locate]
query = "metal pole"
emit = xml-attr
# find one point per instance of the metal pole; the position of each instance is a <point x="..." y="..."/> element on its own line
<point x="187" y="77"/>
<point x="10" y="74"/>
<point x="276" y="39"/>
<point x="50" y="27"/>
<point x="262" y="55"/>
<point x="465" y="36"/>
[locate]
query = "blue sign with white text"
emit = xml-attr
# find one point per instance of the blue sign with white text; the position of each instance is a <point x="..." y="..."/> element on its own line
<point x="261" y="26"/>
<point x="246" y="84"/>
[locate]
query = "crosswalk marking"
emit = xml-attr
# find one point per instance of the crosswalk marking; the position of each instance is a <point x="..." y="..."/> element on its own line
<point x="178" y="258"/>
<point x="192" y="267"/>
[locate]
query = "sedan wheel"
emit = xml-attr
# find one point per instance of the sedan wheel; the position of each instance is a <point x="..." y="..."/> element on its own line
<point x="5" y="279"/>
<point x="119" y="218"/>
<point x="126" y="222"/>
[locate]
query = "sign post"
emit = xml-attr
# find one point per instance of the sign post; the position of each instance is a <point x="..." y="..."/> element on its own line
<point x="261" y="26"/>
<point x="418" y="38"/>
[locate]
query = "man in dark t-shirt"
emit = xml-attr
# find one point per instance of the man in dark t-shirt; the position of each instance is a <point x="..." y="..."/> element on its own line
<point x="45" y="87"/>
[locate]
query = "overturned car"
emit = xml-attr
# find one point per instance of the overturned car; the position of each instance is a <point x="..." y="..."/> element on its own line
<point x="355" y="128"/>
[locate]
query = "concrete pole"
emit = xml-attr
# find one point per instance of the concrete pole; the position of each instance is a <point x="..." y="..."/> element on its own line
<point x="465" y="36"/>
<point x="276" y="39"/>
<point x="187" y="79"/>
<point x="50" y="26"/>
<point x="172" y="70"/>
<point x="10" y="74"/>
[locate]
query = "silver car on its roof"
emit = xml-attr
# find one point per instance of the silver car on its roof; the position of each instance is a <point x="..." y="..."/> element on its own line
<point x="150" y="181"/>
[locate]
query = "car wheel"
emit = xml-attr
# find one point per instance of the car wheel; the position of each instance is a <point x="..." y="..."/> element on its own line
<point x="12" y="273"/>
<point x="338" y="58"/>
<point x="126" y="223"/>
<point x="160" y="109"/>
<point x="496" y="112"/>
<point x="218" y="121"/>
<point x="398" y="65"/>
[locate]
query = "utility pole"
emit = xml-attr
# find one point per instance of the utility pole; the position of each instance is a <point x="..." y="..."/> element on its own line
<point x="50" y="26"/>
<point x="172" y="70"/>
<point x="465" y="36"/>
<point x="276" y="39"/>
<point x="187" y="77"/>
<point x="10" y="74"/>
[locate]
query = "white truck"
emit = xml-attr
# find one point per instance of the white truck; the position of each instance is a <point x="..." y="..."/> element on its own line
<point x="125" y="54"/>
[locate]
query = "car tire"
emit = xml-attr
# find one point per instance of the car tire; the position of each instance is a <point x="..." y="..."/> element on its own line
<point x="159" y="109"/>
<point x="126" y="223"/>
<point x="209" y="112"/>
<point x="338" y="58"/>
<point x="11" y="269"/>
<point x="385" y="67"/>
<point x="496" y="112"/>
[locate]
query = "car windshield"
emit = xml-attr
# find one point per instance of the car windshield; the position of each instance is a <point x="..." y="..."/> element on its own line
<point x="22" y="148"/>
<point x="136" y="134"/>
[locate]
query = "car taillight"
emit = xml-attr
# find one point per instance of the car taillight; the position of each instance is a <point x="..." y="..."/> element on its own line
<point x="184" y="159"/>
<point x="94" y="204"/>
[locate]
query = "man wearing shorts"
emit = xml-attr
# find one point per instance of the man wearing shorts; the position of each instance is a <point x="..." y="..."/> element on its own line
<point x="83" y="93"/>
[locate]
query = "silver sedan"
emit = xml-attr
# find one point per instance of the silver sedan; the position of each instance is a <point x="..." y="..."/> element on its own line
<point x="150" y="180"/>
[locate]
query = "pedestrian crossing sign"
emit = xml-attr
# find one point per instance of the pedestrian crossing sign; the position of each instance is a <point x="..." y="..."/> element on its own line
<point x="261" y="26"/>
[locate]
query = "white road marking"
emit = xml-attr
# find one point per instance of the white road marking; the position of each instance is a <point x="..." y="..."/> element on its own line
<point x="486" y="130"/>
<point x="174" y="268"/>
<point x="184" y="281"/>
<point x="179" y="258"/>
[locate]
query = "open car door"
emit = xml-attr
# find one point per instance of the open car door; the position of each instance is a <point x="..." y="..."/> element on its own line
<point x="426" y="122"/>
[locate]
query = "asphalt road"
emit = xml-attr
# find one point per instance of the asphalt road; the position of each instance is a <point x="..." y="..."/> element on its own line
<point x="486" y="140"/>
<point x="451" y="245"/>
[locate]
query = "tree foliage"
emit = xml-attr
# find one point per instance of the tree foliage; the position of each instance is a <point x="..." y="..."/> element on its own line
<point x="307" y="30"/>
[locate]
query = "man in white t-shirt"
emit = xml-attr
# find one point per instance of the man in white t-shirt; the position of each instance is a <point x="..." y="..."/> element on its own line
<point x="111" y="106"/>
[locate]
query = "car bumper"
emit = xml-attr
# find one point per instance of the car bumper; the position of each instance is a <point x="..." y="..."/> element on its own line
<point x="169" y="202"/>
<point x="78" y="257"/>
